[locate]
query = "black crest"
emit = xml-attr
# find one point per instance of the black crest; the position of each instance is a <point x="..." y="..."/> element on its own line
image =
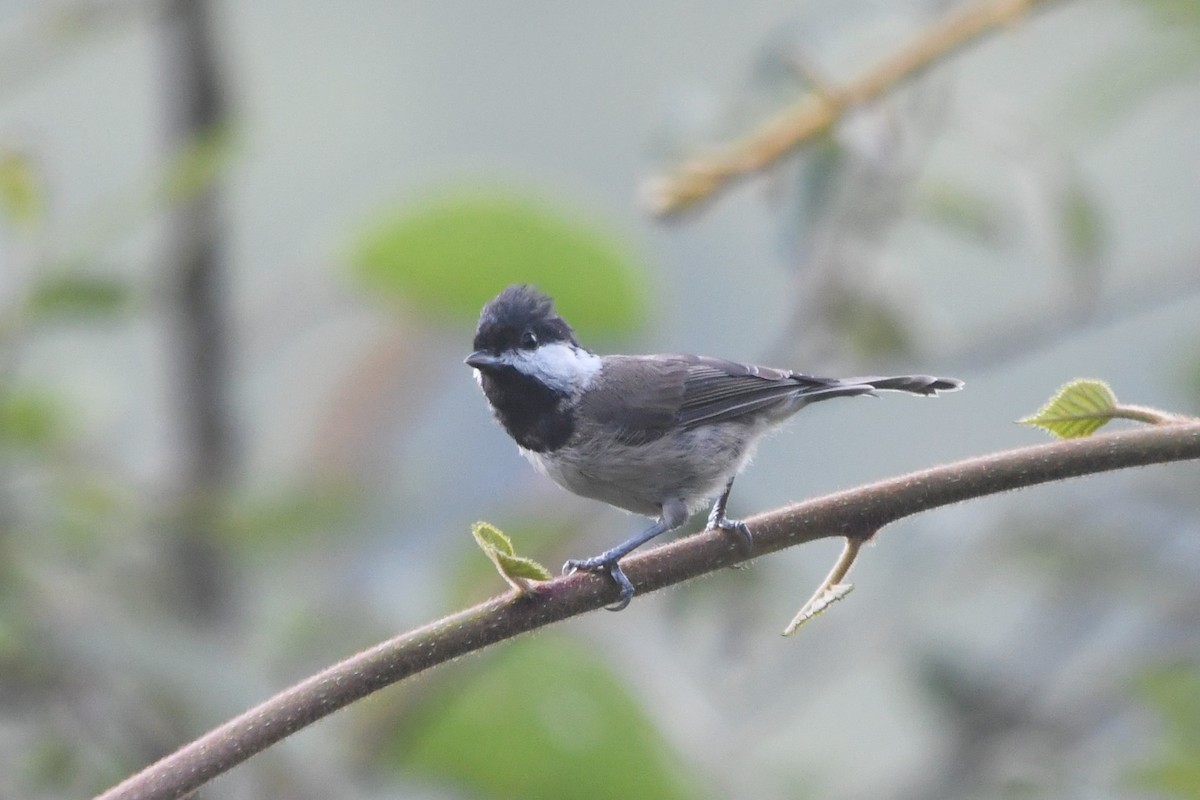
<point x="520" y="316"/>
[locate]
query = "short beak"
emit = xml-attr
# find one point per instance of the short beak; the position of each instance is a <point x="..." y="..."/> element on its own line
<point x="482" y="359"/>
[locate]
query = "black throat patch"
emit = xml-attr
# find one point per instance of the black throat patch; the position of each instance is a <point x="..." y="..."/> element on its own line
<point x="536" y="416"/>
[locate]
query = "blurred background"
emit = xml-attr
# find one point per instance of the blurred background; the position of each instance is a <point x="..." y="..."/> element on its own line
<point x="242" y="251"/>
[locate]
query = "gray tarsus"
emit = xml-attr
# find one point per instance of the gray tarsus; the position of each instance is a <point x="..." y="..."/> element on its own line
<point x="674" y="514"/>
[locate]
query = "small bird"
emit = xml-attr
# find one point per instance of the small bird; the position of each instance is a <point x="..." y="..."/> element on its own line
<point x="658" y="435"/>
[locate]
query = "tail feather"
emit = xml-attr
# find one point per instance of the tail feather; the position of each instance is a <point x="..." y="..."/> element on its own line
<point x="913" y="384"/>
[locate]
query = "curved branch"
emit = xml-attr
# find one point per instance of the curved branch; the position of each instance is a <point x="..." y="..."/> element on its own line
<point x="703" y="176"/>
<point x="849" y="513"/>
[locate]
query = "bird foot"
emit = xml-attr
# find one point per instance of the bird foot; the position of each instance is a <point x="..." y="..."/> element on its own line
<point x="607" y="564"/>
<point x="736" y="526"/>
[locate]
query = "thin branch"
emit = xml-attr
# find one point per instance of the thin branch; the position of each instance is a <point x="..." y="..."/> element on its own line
<point x="848" y="513"/>
<point x="700" y="178"/>
<point x="1150" y="416"/>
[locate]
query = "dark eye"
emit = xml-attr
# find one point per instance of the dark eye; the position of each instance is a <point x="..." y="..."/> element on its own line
<point x="529" y="340"/>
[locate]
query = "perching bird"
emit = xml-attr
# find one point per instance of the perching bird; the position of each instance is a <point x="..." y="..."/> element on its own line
<point x="658" y="435"/>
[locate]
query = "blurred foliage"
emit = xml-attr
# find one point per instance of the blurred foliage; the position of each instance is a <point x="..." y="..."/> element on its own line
<point x="1174" y="694"/>
<point x="266" y="523"/>
<point x="22" y="195"/>
<point x="1082" y="224"/>
<point x="1184" y="13"/>
<point x="451" y="256"/>
<point x="873" y="327"/>
<point x="956" y="208"/>
<point x="30" y="419"/>
<point x="1142" y="67"/>
<point x="78" y="297"/>
<point x="545" y="719"/>
<point x="197" y="166"/>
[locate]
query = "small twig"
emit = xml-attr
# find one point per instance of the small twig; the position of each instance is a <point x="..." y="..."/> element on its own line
<point x="1151" y="416"/>
<point x="702" y="177"/>
<point x="831" y="589"/>
<point x="505" y="616"/>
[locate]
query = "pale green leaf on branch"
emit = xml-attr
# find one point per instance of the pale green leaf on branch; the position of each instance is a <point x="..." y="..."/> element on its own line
<point x="1080" y="408"/>
<point x="516" y="570"/>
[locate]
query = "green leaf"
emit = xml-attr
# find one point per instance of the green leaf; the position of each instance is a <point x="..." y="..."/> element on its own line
<point x="22" y="196"/>
<point x="491" y="539"/>
<point x="1079" y="409"/>
<point x="449" y="257"/>
<point x="516" y="570"/>
<point x="75" y="295"/>
<point x="542" y="719"/>
<point x="521" y="567"/>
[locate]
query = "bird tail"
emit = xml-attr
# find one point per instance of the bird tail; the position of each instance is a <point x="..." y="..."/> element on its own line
<point x="824" y="389"/>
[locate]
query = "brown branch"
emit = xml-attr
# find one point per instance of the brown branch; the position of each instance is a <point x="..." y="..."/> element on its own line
<point x="700" y="178"/>
<point x="849" y="513"/>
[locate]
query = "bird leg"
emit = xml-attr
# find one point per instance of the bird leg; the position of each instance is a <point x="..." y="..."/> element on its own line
<point x="718" y="521"/>
<point x="674" y="514"/>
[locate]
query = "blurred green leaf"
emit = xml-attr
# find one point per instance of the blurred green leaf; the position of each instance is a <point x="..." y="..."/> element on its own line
<point x="1143" y="64"/>
<point x="199" y="164"/>
<point x="77" y="295"/>
<point x="543" y="720"/>
<point x="961" y="210"/>
<point x="299" y="513"/>
<point x="1083" y="224"/>
<point x="1174" y="694"/>
<point x="1080" y="408"/>
<point x="453" y="255"/>
<point x="30" y="418"/>
<point x="1172" y="13"/>
<point x="22" y="196"/>
<point x="872" y="327"/>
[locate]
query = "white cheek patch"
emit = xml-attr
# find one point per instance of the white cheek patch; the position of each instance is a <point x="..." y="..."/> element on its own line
<point x="562" y="367"/>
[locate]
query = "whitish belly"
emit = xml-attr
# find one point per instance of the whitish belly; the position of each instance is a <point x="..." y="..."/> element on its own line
<point x="640" y="478"/>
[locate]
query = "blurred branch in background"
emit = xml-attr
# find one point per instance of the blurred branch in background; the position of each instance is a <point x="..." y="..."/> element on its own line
<point x="196" y="111"/>
<point x="705" y="175"/>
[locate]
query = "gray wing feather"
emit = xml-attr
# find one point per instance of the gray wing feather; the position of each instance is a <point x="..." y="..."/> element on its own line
<point x="642" y="397"/>
<point x="717" y="390"/>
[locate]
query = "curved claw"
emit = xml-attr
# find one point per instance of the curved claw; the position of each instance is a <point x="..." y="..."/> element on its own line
<point x="614" y="571"/>
<point x="745" y="537"/>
